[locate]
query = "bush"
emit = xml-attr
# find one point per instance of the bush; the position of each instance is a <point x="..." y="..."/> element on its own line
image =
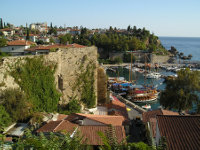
<point x="5" y="119"/>
<point x="117" y="60"/>
<point x="16" y="104"/>
<point x="74" y="106"/>
<point x="102" y="86"/>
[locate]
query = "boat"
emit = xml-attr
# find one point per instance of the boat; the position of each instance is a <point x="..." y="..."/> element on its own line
<point x="146" y="106"/>
<point x="142" y="99"/>
<point x="142" y="95"/>
<point x="153" y="75"/>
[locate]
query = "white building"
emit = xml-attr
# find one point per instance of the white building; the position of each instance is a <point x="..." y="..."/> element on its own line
<point x="16" y="47"/>
<point x="62" y="31"/>
<point x="8" y="32"/>
<point x="42" y="27"/>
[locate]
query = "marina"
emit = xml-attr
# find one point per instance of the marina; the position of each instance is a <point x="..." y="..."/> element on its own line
<point x="139" y="81"/>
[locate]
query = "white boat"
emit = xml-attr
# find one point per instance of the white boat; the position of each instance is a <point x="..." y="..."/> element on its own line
<point x="153" y="75"/>
<point x="146" y="106"/>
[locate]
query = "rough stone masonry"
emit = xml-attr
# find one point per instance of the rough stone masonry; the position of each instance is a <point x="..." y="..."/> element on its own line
<point x="68" y="63"/>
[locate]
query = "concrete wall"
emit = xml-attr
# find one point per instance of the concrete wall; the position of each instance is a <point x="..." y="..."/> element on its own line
<point x="68" y="63"/>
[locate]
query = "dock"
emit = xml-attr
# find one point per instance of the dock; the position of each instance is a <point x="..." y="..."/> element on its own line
<point x="129" y="103"/>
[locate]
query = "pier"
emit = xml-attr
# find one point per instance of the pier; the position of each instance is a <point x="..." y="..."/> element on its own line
<point x="129" y="103"/>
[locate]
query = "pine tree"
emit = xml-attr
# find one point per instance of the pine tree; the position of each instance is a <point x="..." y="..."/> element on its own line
<point x="1" y="24"/>
<point x="27" y="35"/>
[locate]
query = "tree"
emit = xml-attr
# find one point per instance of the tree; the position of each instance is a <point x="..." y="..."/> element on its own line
<point x="74" y="106"/>
<point x="5" y="119"/>
<point x="65" y="39"/>
<point x="101" y="86"/>
<point x="51" y="40"/>
<point x="180" y="93"/>
<point x="27" y="35"/>
<point x="1" y="24"/>
<point x="3" y="42"/>
<point x="110" y="142"/>
<point x="118" y="60"/>
<point x="15" y="103"/>
<point x="53" y="141"/>
<point x="129" y="28"/>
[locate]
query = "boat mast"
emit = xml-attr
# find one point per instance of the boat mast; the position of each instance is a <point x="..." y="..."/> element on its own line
<point x="131" y="65"/>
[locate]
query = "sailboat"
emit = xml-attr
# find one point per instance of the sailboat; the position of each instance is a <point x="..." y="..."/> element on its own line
<point x="143" y="94"/>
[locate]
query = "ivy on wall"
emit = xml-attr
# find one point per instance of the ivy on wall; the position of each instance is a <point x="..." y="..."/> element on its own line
<point x="85" y="83"/>
<point x="36" y="78"/>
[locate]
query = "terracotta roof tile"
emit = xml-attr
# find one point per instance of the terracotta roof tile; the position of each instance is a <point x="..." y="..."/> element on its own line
<point x="91" y="137"/>
<point x="105" y="119"/>
<point x="6" y="29"/>
<point x="66" y="126"/>
<point x="117" y="108"/>
<point x="152" y="114"/>
<point x="89" y="132"/>
<point x="181" y="132"/>
<point x="61" y="117"/>
<point x="49" y="127"/>
<point x="19" y="43"/>
<point x="56" y="126"/>
<point x="54" y="46"/>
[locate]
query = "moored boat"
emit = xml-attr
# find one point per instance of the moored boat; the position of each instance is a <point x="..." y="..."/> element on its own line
<point x="146" y="106"/>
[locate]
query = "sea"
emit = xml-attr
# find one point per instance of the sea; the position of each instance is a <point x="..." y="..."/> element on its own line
<point x="187" y="45"/>
<point x="182" y="44"/>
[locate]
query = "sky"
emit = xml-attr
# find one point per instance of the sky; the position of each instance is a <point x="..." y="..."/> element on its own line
<point x="179" y="18"/>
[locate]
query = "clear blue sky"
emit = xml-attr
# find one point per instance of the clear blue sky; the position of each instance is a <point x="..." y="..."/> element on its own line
<point x="162" y="17"/>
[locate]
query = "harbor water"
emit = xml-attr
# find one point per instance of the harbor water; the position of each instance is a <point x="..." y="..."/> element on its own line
<point x="139" y="79"/>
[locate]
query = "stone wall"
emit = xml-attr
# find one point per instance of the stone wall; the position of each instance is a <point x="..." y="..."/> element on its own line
<point x="159" y="59"/>
<point x="68" y="63"/>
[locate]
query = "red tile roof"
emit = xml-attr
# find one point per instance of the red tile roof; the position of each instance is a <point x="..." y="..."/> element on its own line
<point x="55" y="126"/>
<point x="61" y="117"/>
<point x="91" y="137"/>
<point x="152" y="114"/>
<point x="19" y="43"/>
<point x="49" y="127"/>
<point x="6" y="29"/>
<point x="105" y="119"/>
<point x="76" y="45"/>
<point x="54" y="46"/>
<point x="89" y="132"/>
<point x="118" y="109"/>
<point x="181" y="132"/>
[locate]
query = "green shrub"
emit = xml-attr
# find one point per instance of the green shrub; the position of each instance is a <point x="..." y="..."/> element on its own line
<point x="74" y="106"/>
<point x="36" y="79"/>
<point x="16" y="104"/>
<point x="5" y="119"/>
